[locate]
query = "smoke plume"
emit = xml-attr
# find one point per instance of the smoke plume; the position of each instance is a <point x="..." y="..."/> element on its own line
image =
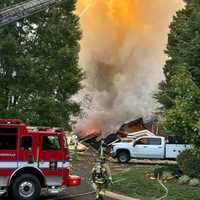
<point x="122" y="52"/>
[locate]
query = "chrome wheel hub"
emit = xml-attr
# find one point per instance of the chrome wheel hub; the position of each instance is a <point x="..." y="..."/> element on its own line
<point x="26" y="189"/>
<point x="123" y="158"/>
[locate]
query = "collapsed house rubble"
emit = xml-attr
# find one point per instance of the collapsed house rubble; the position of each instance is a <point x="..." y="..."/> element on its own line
<point x="131" y="129"/>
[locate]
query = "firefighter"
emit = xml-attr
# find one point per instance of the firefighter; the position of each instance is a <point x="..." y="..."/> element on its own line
<point x="101" y="174"/>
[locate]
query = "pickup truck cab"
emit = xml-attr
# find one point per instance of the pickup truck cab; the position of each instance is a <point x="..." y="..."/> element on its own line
<point x="147" y="147"/>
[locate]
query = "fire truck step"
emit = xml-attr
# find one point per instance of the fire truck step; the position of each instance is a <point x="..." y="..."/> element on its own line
<point x="2" y="190"/>
<point x="54" y="189"/>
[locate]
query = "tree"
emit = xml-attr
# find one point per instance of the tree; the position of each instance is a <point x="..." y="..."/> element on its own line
<point x="179" y="94"/>
<point x="183" y="49"/>
<point x="183" y="118"/>
<point x="39" y="70"/>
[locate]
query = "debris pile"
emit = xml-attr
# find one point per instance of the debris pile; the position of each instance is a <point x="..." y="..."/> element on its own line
<point x="92" y="136"/>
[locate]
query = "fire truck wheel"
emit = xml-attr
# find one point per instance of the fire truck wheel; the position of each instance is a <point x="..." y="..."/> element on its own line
<point x="26" y="187"/>
<point x="123" y="157"/>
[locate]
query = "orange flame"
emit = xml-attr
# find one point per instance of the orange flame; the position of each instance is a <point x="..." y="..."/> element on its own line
<point x="93" y="128"/>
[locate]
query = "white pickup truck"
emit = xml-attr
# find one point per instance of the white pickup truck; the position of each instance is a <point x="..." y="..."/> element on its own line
<point x="147" y="147"/>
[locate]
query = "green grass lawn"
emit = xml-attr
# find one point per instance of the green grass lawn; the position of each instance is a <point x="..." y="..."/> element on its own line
<point x="135" y="184"/>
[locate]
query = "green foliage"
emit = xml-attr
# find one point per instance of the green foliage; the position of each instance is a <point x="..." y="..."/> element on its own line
<point x="183" y="117"/>
<point x="179" y="94"/>
<point x="39" y="70"/>
<point x="192" y="1"/>
<point x="133" y="183"/>
<point x="183" y="49"/>
<point x="189" y="163"/>
<point x="160" y="170"/>
<point x="184" y="179"/>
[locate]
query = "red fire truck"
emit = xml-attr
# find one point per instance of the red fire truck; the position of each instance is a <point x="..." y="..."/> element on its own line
<point x="32" y="159"/>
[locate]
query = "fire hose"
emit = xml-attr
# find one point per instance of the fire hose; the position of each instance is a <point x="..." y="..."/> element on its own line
<point x="164" y="187"/>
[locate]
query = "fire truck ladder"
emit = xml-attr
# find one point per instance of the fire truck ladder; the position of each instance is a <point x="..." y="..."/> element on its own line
<point x="24" y="9"/>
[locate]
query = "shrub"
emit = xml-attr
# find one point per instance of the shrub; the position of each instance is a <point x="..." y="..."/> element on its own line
<point x="161" y="171"/>
<point x="167" y="176"/>
<point x="189" y="163"/>
<point x="158" y="172"/>
<point x="184" y="179"/>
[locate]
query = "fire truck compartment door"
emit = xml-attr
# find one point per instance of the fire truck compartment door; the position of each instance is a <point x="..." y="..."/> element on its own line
<point x="8" y="152"/>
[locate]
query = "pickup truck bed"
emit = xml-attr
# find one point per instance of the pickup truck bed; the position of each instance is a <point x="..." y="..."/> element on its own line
<point x="173" y="150"/>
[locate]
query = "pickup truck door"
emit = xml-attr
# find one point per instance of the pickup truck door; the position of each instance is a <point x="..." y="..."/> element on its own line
<point x="140" y="149"/>
<point x="148" y="148"/>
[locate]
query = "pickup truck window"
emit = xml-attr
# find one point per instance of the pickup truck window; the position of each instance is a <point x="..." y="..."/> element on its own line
<point x="154" y="141"/>
<point x="148" y="141"/>
<point x="66" y="145"/>
<point x="142" y="141"/>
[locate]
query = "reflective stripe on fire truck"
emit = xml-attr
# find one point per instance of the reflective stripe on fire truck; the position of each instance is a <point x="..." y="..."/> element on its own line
<point x="42" y="165"/>
<point x="8" y="165"/>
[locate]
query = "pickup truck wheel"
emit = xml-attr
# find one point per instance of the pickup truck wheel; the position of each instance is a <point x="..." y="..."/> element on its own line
<point x="123" y="157"/>
<point x="26" y="187"/>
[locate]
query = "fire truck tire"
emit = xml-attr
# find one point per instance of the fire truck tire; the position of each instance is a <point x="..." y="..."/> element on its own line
<point x="26" y="187"/>
<point x="123" y="157"/>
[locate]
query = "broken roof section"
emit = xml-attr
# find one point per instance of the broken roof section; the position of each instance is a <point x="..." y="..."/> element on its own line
<point x="138" y="125"/>
<point x="132" y="126"/>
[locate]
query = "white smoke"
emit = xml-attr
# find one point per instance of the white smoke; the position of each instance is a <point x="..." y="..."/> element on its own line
<point x="122" y="52"/>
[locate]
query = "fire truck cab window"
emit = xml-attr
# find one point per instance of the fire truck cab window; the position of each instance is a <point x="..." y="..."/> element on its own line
<point x="66" y="143"/>
<point x="26" y="143"/>
<point x="8" y="142"/>
<point x="50" y="143"/>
